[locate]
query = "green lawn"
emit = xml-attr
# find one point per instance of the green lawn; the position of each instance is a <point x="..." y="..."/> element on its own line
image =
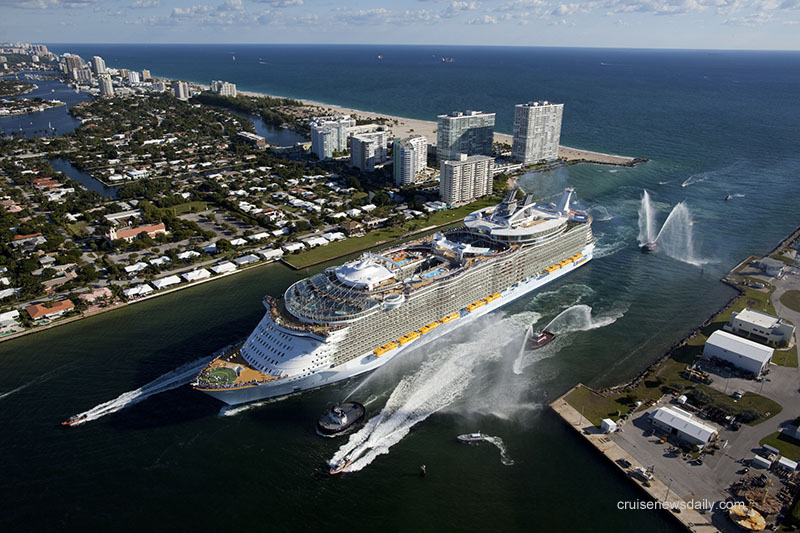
<point x="791" y="299"/>
<point x="789" y="447"/>
<point x="594" y="406"/>
<point x="78" y="229"/>
<point x="786" y="357"/>
<point x="381" y="236"/>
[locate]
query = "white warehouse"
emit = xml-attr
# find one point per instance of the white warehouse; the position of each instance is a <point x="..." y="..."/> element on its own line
<point x="683" y="426"/>
<point x="740" y="352"/>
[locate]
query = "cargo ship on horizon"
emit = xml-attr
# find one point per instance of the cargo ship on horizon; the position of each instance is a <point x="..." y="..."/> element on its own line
<point x="358" y="316"/>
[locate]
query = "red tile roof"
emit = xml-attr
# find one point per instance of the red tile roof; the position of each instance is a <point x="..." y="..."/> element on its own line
<point x="40" y="310"/>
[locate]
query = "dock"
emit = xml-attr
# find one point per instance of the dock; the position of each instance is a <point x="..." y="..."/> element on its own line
<point x="658" y="490"/>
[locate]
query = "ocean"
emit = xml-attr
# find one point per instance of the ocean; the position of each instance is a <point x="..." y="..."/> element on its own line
<point x="712" y="124"/>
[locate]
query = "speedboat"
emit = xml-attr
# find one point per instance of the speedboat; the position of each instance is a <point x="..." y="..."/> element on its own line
<point x="73" y="420"/>
<point x="729" y="197"/>
<point x="537" y="339"/>
<point x="471" y="438"/>
<point x="339" y="467"/>
<point x="648" y="247"/>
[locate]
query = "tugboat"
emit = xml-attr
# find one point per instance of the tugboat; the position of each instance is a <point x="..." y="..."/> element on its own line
<point x="74" y="420"/>
<point x="471" y="438"/>
<point x="648" y="247"/>
<point x="339" y="418"/>
<point x="537" y="339"/>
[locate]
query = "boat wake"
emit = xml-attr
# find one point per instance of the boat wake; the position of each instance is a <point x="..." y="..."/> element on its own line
<point x="500" y="445"/>
<point x="41" y="379"/>
<point x="601" y="213"/>
<point x="171" y="380"/>
<point x="436" y="384"/>
<point x="708" y="175"/>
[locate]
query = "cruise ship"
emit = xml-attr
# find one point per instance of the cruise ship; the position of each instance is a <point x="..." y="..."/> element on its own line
<point x="358" y="316"/>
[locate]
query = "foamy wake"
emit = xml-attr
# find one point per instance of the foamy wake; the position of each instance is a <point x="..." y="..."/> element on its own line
<point x="171" y="380"/>
<point x="41" y="379"/>
<point x="500" y="445"/>
<point x="438" y="382"/>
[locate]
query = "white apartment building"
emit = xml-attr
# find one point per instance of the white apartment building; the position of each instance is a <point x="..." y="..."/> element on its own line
<point x="329" y="134"/>
<point x="410" y="156"/>
<point x="464" y="179"/>
<point x="537" y="131"/>
<point x="181" y="90"/>
<point x="368" y="147"/>
<point x="471" y="132"/>
<point x="106" y="86"/>
<point x="133" y="77"/>
<point x="223" y="88"/>
<point x="98" y="65"/>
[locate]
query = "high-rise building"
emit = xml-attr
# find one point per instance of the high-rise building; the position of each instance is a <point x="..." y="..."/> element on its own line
<point x="368" y="147"/>
<point x="98" y="65"/>
<point x="133" y="77"/>
<point x="181" y="90"/>
<point x="82" y="74"/>
<point x="223" y="88"/>
<point x="537" y="131"/>
<point x="410" y="156"/>
<point x="465" y="178"/>
<point x="146" y="75"/>
<point x="71" y="62"/>
<point x="329" y="134"/>
<point x="106" y="87"/>
<point x="470" y="133"/>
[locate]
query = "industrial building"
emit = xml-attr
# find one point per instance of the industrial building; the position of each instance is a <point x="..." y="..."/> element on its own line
<point x="683" y="426"/>
<point x="740" y="352"/>
<point x="760" y="327"/>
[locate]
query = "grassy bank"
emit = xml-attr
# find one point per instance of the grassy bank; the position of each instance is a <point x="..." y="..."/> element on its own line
<point x="789" y="447"/>
<point x="382" y="236"/>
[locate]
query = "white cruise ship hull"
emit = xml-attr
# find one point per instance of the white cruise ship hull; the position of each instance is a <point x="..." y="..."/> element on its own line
<point x="368" y="362"/>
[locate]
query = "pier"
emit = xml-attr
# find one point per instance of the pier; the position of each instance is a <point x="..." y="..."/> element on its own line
<point x="670" y="501"/>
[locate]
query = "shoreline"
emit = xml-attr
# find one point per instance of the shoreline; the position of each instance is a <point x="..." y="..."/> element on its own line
<point x="404" y="127"/>
<point x="122" y="305"/>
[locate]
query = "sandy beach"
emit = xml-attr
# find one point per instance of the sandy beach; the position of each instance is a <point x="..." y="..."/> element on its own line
<point x="403" y="127"/>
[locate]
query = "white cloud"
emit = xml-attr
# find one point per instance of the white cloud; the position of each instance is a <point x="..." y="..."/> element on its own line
<point x="144" y="4"/>
<point x="486" y="19"/>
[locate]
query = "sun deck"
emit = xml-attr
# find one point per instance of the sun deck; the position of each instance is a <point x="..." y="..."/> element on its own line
<point x="230" y="371"/>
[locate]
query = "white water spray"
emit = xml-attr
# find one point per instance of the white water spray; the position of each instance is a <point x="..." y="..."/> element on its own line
<point x="676" y="237"/>
<point x="647" y="223"/>
<point x="438" y="382"/>
<point x="171" y="380"/>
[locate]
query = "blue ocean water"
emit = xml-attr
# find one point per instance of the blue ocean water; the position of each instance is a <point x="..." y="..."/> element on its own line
<point x="720" y="123"/>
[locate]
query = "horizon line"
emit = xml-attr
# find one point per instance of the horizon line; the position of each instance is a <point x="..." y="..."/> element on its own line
<point x="573" y="47"/>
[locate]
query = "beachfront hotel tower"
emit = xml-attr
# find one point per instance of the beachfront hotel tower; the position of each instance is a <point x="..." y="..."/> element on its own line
<point x="465" y="178"/>
<point x="329" y="134"/>
<point x="471" y="132"/>
<point x="537" y="131"/>
<point x="410" y="157"/>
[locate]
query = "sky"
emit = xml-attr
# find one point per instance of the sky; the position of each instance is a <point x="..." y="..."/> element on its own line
<point x="704" y="24"/>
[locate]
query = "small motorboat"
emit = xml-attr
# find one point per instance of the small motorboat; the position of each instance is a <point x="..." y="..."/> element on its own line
<point x="537" y="339"/>
<point x="729" y="197"/>
<point x="339" y="467"/>
<point x="74" y="420"/>
<point x="648" y="247"/>
<point x="471" y="438"/>
<point x="339" y="418"/>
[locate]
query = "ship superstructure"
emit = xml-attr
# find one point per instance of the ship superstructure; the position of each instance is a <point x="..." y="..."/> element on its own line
<point x="355" y="317"/>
